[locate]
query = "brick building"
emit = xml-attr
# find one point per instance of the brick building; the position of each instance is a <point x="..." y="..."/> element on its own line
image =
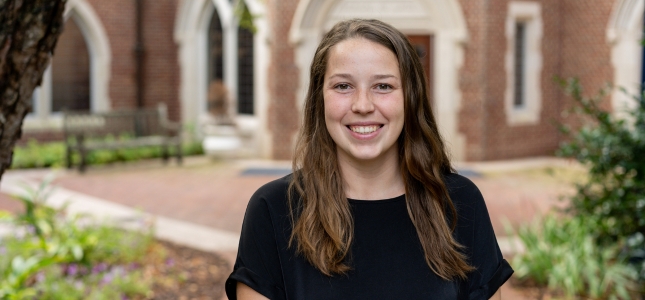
<point x="491" y="63"/>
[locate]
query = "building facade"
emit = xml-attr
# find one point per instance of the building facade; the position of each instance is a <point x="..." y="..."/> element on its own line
<point x="490" y="64"/>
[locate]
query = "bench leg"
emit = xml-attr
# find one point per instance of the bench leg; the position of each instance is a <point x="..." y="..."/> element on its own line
<point x="164" y="153"/>
<point x="68" y="157"/>
<point x="82" y="166"/>
<point x="179" y="154"/>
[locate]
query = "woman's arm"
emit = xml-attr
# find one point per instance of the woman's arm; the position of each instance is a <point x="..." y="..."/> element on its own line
<point x="244" y="292"/>
<point x="497" y="296"/>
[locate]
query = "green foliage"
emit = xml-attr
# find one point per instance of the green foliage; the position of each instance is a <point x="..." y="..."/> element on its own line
<point x="54" y="256"/>
<point x="563" y="255"/>
<point x="45" y="155"/>
<point x="38" y="155"/>
<point x="613" y="150"/>
<point x="244" y="15"/>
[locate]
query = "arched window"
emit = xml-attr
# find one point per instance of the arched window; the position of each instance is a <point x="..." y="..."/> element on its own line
<point x="244" y="71"/>
<point x="215" y="49"/>
<point x="71" y="71"/>
<point x="234" y="71"/>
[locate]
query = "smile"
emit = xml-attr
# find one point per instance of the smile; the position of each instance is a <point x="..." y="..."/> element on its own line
<point x="364" y="129"/>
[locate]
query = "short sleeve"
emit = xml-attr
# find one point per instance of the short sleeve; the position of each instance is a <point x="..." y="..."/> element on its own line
<point x="477" y="235"/>
<point x="258" y="263"/>
<point x="492" y="270"/>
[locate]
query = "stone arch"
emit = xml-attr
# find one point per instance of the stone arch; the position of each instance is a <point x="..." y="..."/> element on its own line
<point x="190" y="34"/>
<point x="100" y="69"/>
<point x="624" y="33"/>
<point x="99" y="49"/>
<point x="443" y="19"/>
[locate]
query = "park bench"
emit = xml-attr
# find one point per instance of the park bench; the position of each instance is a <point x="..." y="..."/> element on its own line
<point x="89" y="131"/>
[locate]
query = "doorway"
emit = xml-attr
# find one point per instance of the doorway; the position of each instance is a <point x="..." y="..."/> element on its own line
<point x="423" y="44"/>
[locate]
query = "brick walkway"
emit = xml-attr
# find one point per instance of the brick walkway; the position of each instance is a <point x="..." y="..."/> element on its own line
<point x="215" y="193"/>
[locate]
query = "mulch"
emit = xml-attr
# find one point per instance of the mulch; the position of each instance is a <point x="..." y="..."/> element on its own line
<point x="186" y="274"/>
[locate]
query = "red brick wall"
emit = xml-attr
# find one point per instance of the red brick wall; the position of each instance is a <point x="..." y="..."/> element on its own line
<point x="573" y="44"/>
<point x="586" y="54"/>
<point x="162" y="56"/>
<point x="472" y="79"/>
<point x="503" y="141"/>
<point x="118" y="19"/>
<point x="161" y="67"/>
<point x="283" y="80"/>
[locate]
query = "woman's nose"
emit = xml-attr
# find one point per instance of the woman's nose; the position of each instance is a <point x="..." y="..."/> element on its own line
<point x="362" y="103"/>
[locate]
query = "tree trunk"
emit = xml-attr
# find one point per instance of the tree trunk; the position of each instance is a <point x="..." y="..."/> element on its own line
<point x="29" y="30"/>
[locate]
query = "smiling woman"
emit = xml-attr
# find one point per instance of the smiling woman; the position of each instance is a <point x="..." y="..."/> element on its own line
<point x="363" y="100"/>
<point x="373" y="209"/>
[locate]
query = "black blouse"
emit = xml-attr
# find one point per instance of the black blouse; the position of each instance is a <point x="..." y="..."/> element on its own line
<point x="386" y="257"/>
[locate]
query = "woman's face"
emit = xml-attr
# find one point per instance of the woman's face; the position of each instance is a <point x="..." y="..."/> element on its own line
<point x="363" y="98"/>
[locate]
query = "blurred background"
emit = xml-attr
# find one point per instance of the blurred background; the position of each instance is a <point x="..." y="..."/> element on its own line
<point x="233" y="74"/>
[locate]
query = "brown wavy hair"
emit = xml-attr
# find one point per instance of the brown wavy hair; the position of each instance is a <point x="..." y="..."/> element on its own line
<point x="323" y="227"/>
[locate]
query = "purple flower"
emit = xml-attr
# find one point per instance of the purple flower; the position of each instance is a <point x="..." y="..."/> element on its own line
<point x="72" y="270"/>
<point x="99" y="268"/>
<point x="133" y="266"/>
<point x="107" y="278"/>
<point x="3" y="250"/>
<point x="40" y="276"/>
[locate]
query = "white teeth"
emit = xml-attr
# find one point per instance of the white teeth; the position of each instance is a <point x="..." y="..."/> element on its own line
<point x="364" y="129"/>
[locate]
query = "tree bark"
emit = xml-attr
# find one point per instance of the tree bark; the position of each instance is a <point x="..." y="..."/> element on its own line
<point x="29" y="30"/>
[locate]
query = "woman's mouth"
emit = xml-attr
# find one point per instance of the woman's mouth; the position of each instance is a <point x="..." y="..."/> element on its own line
<point x="364" y="129"/>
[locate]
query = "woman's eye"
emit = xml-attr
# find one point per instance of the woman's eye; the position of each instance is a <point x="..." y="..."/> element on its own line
<point x="342" y="86"/>
<point x="383" y="86"/>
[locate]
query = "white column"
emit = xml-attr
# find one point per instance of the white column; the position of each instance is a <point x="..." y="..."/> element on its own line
<point x="448" y="58"/>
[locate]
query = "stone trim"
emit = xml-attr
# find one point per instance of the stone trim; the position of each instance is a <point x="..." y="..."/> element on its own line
<point x="531" y="14"/>
<point x="624" y="31"/>
<point x="100" y="69"/>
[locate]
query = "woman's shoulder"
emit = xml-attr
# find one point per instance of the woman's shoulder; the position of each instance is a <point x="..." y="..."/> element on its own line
<point x="276" y="187"/>
<point x="271" y="195"/>
<point x="461" y="188"/>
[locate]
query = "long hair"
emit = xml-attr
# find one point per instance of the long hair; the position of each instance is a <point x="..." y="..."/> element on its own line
<point x="323" y="226"/>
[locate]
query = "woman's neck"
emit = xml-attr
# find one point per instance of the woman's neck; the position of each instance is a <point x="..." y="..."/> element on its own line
<point x="372" y="180"/>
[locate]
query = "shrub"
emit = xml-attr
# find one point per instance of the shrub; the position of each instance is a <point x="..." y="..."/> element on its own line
<point x="562" y="254"/>
<point x="613" y="149"/>
<point x="52" y="154"/>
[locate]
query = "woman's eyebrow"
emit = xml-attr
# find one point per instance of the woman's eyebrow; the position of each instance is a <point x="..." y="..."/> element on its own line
<point x="341" y="75"/>
<point x="349" y="76"/>
<point x="384" y="76"/>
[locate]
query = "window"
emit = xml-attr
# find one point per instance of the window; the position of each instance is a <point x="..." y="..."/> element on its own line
<point x="519" y="87"/>
<point x="71" y="71"/>
<point x="523" y="62"/>
<point x="245" y="71"/>
<point x="237" y="72"/>
<point x="215" y="49"/>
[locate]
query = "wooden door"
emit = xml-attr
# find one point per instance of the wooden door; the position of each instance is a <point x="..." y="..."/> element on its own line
<point x="424" y="47"/>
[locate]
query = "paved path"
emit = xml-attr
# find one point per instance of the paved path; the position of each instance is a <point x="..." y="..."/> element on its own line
<point x="202" y="203"/>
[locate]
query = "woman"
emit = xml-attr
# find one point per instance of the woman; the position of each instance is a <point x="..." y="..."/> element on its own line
<point x="373" y="209"/>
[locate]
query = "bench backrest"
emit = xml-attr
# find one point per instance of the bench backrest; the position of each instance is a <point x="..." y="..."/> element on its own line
<point x="141" y="122"/>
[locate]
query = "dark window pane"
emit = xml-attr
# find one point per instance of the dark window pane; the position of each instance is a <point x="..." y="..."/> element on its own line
<point x="520" y="65"/>
<point x="245" y="71"/>
<point x="215" y="50"/>
<point x="71" y="71"/>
